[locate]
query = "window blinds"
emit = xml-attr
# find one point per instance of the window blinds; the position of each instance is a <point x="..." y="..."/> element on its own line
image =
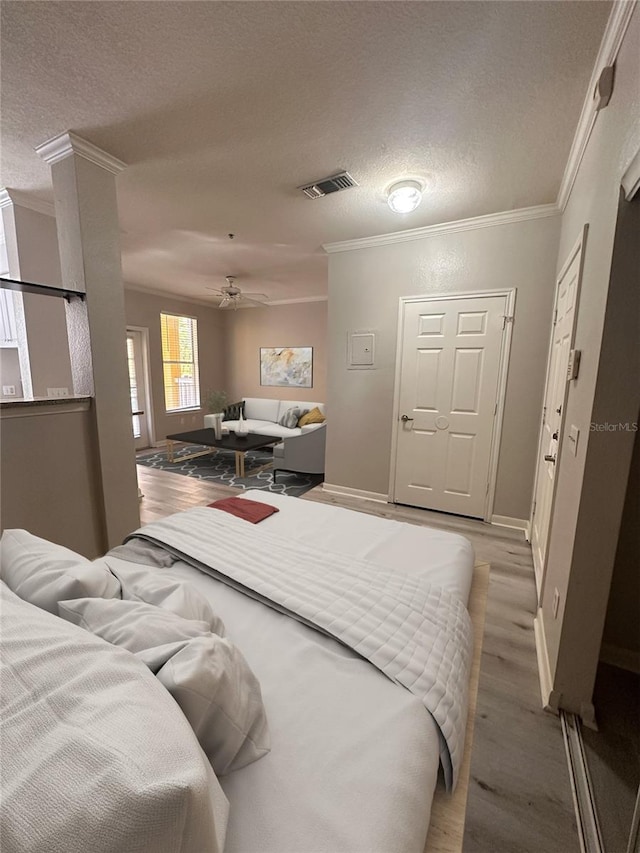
<point x="180" y="362"/>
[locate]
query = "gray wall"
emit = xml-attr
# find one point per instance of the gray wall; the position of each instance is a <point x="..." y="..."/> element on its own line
<point x="590" y="491"/>
<point x="144" y="309"/>
<point x="50" y="482"/>
<point x="364" y="288"/>
<point x="298" y="325"/>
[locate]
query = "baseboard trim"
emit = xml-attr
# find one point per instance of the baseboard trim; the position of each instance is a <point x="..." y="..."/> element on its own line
<point x="550" y="697"/>
<point x="355" y="493"/>
<point x="581" y="788"/>
<point x="623" y="658"/>
<point x="515" y="523"/>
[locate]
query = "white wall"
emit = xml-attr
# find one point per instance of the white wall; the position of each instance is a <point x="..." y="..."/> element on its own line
<point x="588" y="508"/>
<point x="364" y="289"/>
<point x="33" y="256"/>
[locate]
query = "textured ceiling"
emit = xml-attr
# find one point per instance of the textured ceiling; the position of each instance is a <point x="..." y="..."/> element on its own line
<point x="222" y="109"/>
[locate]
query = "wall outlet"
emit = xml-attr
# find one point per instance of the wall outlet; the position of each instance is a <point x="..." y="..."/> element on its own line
<point x="57" y="392"/>
<point x="8" y="390"/>
<point x="556" y="603"/>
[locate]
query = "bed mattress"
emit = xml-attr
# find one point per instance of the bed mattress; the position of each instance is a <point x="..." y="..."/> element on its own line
<point x="354" y="758"/>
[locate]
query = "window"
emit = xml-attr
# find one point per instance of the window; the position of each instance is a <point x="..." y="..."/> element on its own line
<point x="180" y="362"/>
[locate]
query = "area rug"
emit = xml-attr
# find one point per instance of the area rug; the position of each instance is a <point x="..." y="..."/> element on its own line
<point x="220" y="468"/>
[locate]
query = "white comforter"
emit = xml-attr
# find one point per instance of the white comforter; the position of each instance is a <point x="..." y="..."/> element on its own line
<point x="415" y="632"/>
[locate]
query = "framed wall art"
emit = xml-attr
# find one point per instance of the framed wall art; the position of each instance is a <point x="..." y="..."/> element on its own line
<point x="289" y="367"/>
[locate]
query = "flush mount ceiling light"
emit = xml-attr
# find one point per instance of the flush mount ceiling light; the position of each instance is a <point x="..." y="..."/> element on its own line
<point x="404" y="196"/>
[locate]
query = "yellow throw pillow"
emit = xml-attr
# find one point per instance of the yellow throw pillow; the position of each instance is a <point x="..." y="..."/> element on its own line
<point x="315" y="416"/>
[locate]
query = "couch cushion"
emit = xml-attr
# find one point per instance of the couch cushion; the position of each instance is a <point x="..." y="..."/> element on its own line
<point x="232" y="412"/>
<point x="315" y="416"/>
<point x="306" y="406"/>
<point x="265" y="428"/>
<point x="290" y="417"/>
<point x="257" y="408"/>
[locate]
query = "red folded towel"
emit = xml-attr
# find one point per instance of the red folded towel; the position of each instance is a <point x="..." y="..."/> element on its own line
<point x="252" y="511"/>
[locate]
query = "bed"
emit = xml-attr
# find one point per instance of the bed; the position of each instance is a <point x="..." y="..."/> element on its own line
<point x="355" y="758"/>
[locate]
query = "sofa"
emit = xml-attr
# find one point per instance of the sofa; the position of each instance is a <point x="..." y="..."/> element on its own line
<point x="301" y="449"/>
<point x="262" y="415"/>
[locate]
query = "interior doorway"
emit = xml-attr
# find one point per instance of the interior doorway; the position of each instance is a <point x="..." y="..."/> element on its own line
<point x="452" y="363"/>
<point x="550" y="445"/>
<point x="137" y="362"/>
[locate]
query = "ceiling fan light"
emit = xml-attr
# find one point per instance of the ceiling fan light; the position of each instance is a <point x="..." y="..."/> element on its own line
<point x="404" y="196"/>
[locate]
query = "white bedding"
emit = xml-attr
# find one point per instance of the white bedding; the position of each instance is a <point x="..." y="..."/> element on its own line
<point x="354" y="757"/>
<point x="384" y="542"/>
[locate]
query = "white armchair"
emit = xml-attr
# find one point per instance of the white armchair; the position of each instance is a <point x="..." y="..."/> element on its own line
<point x="301" y="453"/>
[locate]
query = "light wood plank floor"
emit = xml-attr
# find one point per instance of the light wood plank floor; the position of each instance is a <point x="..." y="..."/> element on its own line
<point x="519" y="798"/>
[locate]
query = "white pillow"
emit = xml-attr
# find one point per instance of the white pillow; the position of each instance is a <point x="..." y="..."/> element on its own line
<point x="220" y="696"/>
<point x="132" y="625"/>
<point x="44" y="573"/>
<point x="157" y="586"/>
<point x="206" y="674"/>
<point x="290" y="417"/>
<point x="96" y="756"/>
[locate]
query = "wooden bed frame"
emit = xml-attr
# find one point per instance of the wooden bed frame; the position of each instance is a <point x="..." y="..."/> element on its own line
<point x="446" y="830"/>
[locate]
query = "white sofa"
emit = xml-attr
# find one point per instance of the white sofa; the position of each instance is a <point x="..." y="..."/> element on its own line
<point x="262" y="416"/>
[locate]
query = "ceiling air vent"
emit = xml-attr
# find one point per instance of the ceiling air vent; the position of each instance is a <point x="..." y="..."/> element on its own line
<point x="334" y="184"/>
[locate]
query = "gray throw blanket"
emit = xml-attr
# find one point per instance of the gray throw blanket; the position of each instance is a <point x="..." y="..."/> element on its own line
<point x="415" y="632"/>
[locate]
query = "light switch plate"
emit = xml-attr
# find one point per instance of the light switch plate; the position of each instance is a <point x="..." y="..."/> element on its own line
<point x="8" y="390"/>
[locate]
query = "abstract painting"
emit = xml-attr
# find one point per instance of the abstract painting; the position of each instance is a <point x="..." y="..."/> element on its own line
<point x="286" y="366"/>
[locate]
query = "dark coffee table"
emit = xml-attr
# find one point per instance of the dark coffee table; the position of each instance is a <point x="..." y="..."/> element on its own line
<point x="238" y="443"/>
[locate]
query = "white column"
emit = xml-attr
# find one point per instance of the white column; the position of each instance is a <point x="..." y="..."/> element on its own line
<point x="89" y="243"/>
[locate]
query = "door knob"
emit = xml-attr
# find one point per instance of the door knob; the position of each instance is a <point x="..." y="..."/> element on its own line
<point x="406" y="418"/>
<point x="550" y="459"/>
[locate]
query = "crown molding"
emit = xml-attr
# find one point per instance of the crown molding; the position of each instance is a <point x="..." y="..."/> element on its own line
<point x="490" y="220"/>
<point x="607" y="54"/>
<point x="9" y="197"/>
<point x="65" y="144"/>
<point x="297" y="301"/>
<point x="165" y="294"/>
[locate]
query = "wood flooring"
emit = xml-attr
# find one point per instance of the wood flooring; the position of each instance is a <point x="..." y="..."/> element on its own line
<point x="519" y="798"/>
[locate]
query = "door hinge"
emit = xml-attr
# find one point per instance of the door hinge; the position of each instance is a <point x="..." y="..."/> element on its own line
<point x="495" y="411"/>
<point x="506" y="319"/>
<point x="533" y="509"/>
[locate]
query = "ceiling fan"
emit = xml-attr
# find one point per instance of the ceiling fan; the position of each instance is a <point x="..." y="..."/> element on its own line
<point x="233" y="297"/>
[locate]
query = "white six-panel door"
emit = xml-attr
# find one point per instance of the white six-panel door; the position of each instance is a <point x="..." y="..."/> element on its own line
<point x="567" y="293"/>
<point x="450" y="351"/>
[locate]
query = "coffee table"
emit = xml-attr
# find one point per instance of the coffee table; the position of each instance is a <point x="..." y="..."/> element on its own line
<point x="207" y="437"/>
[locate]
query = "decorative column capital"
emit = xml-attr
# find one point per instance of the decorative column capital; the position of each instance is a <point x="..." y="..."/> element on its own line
<point x="67" y="143"/>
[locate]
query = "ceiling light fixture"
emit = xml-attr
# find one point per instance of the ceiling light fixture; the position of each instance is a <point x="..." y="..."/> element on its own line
<point x="404" y="196"/>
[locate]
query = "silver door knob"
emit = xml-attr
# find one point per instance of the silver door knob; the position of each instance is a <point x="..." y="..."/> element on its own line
<point x="406" y="418"/>
<point x="550" y="459"/>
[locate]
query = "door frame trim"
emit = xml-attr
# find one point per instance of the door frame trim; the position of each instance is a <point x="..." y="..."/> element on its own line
<point x="578" y="246"/>
<point x="148" y="402"/>
<point x="509" y="295"/>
